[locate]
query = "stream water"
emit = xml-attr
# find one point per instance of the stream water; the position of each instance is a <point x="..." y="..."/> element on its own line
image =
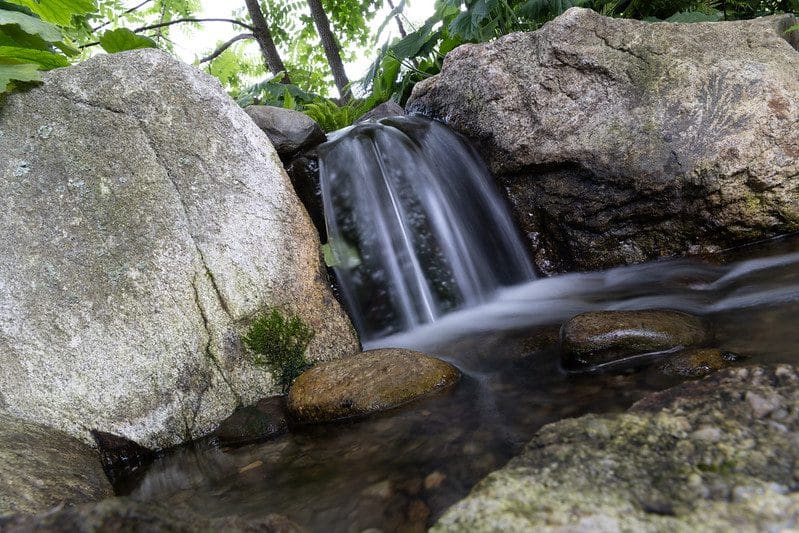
<point x="399" y="470"/>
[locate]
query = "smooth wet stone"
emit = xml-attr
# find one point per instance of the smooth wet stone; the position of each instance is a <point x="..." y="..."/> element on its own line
<point x="41" y="468"/>
<point x="126" y="514"/>
<point x="365" y="383"/>
<point x="706" y="455"/>
<point x="264" y="420"/>
<point x="601" y="337"/>
<point x="697" y="362"/>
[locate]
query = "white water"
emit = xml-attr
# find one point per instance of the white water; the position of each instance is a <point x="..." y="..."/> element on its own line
<point x="415" y="223"/>
<point x="682" y="285"/>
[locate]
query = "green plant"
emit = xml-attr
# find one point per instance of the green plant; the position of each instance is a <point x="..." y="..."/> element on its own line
<point x="278" y="343"/>
<point x="331" y="116"/>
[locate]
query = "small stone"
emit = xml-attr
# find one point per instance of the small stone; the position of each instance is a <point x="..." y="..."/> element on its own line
<point x="761" y="406"/>
<point x="264" y="420"/>
<point x="418" y="512"/>
<point x="434" y="480"/>
<point x="707" y="433"/>
<point x="290" y="131"/>
<point x="365" y="383"/>
<point x="251" y="466"/>
<point x="601" y="337"/>
<point x="381" y="490"/>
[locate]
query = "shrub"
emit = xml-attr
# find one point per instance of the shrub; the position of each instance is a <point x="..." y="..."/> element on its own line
<point x="279" y="343"/>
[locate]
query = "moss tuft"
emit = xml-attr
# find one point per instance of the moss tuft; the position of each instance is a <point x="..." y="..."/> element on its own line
<point x="278" y="343"/>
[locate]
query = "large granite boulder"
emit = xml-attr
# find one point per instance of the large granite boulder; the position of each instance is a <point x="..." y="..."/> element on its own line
<point x="146" y="219"/>
<point x="619" y="141"/>
<point x="714" y="455"/>
<point x="41" y="468"/>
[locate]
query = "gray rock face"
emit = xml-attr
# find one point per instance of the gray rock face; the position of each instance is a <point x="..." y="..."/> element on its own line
<point x="41" y="468"/>
<point x="290" y="131"/>
<point x="145" y="220"/>
<point x="619" y="141"/>
<point x="713" y="455"/>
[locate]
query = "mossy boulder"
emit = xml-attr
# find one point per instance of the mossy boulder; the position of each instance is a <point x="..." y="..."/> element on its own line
<point x="718" y="454"/>
<point x="620" y="141"/>
<point x="146" y="221"/>
<point x="366" y="383"/>
<point x="41" y="468"/>
<point x="600" y="337"/>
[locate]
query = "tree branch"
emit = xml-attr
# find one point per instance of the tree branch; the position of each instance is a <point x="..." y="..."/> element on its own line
<point x="178" y="21"/>
<point x="128" y="12"/>
<point x="219" y="51"/>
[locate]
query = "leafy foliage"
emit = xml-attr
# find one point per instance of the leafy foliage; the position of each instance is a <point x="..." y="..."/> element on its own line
<point x="122" y="39"/>
<point x="32" y="40"/>
<point x="279" y="343"/>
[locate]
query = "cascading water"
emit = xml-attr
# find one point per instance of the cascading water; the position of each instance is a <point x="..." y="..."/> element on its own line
<point x="415" y="224"/>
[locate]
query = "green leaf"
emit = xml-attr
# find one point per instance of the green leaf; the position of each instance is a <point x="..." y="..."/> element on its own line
<point x="30" y="25"/>
<point x="46" y="60"/>
<point x="792" y="28"/>
<point x="25" y="72"/>
<point x="123" y="39"/>
<point x="59" y="12"/>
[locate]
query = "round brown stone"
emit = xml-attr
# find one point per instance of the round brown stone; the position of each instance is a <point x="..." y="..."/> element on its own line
<point x="365" y="383"/>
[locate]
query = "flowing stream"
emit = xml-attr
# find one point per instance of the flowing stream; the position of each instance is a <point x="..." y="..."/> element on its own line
<point x="399" y="470"/>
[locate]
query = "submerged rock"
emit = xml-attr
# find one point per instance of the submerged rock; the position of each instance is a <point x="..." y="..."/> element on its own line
<point x="698" y="456"/>
<point x="290" y="131"/>
<point x="697" y="362"/>
<point x="600" y="337"/>
<point x="41" y="468"/>
<point x="264" y="420"/>
<point x="366" y="383"/>
<point x="146" y="219"/>
<point x="619" y="141"/>
<point x="126" y="514"/>
<point x="121" y="458"/>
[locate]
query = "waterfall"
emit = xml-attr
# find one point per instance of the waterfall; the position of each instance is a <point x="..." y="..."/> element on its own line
<point x="416" y="226"/>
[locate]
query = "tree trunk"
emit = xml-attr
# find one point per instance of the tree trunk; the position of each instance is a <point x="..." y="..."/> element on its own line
<point x="398" y="20"/>
<point x="265" y="41"/>
<point x="332" y="50"/>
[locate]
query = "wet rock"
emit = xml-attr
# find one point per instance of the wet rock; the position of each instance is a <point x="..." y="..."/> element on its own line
<point x="365" y="383"/>
<point x="121" y="458"/>
<point x="700" y="456"/>
<point x="303" y="171"/>
<point x="600" y="337"/>
<point x="290" y="131"/>
<point x="140" y="235"/>
<point x="41" y="468"/>
<point x="264" y="420"/>
<point x="619" y="141"/>
<point x="384" y="110"/>
<point x="697" y="362"/>
<point x="434" y="480"/>
<point x="126" y="514"/>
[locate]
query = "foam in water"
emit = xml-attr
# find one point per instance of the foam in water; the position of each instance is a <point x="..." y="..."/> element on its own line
<point x="415" y="224"/>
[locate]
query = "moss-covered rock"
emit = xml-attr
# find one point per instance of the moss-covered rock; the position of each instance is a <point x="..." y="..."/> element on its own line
<point x="713" y="455"/>
<point x="41" y="468"/>
<point x="365" y="383"/>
